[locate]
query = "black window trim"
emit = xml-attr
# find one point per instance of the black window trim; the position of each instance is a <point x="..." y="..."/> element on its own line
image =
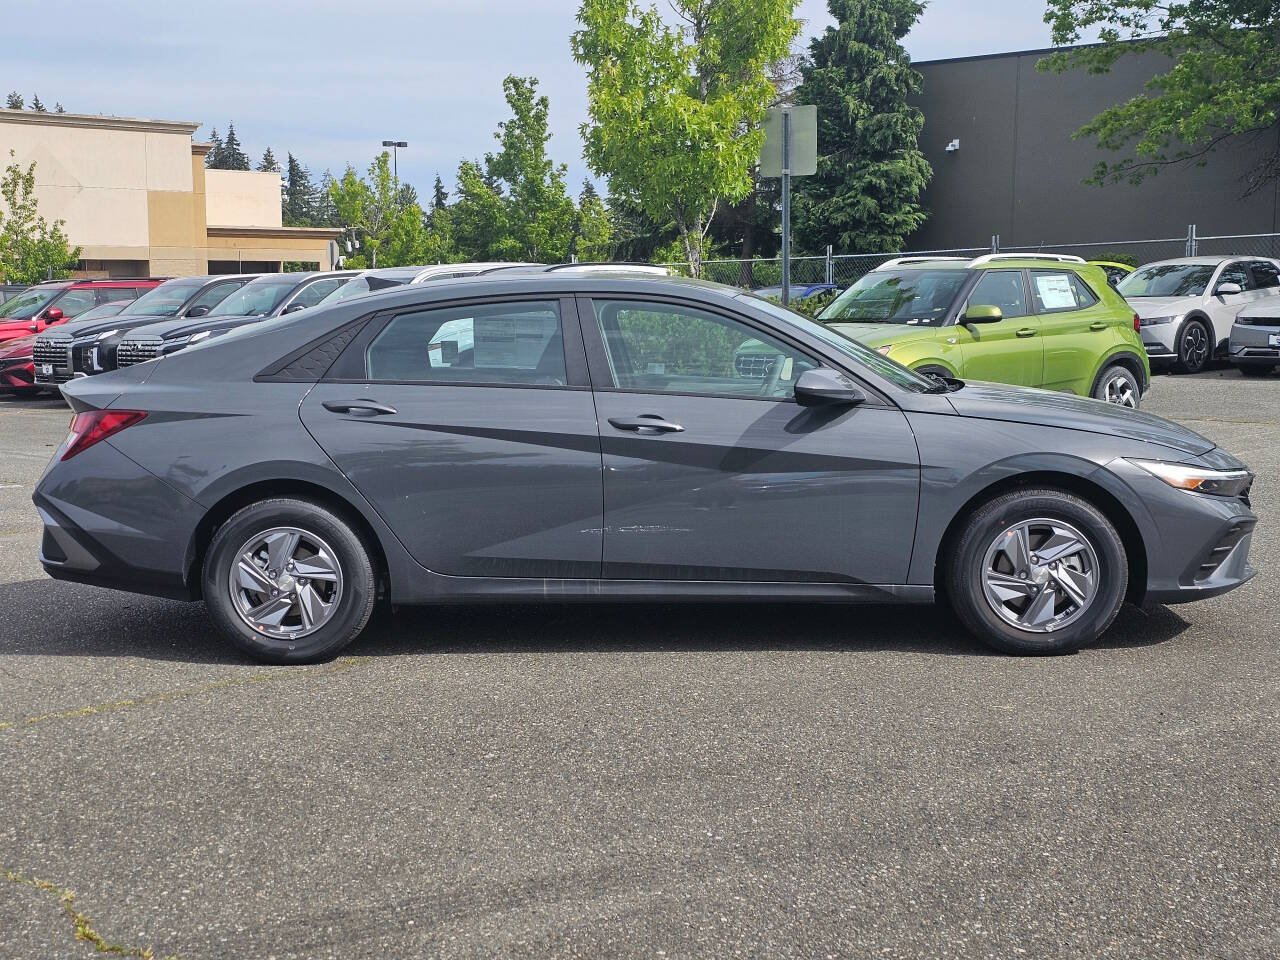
<point x="598" y="360"/>
<point x="352" y="358"/>
<point x="1226" y="265"/>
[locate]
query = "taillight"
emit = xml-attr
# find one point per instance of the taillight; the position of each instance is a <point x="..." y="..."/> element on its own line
<point x="1137" y="323"/>
<point x="94" y="425"/>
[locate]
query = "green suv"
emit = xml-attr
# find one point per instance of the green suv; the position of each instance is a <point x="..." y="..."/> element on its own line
<point x="1036" y="320"/>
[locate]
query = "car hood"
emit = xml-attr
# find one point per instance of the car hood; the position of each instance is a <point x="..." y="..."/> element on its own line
<point x="993" y="401"/>
<point x="184" y="327"/>
<point x="878" y="334"/>
<point x="10" y="329"/>
<point x="1162" y="306"/>
<point x="20" y="347"/>
<point x="78" y="329"/>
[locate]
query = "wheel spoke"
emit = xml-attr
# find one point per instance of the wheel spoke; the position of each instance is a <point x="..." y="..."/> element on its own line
<point x="1017" y="547"/>
<point x="1059" y="546"/>
<point x="1074" y="584"/>
<point x="313" y="609"/>
<point x="320" y="567"/>
<point x="280" y="548"/>
<point x="1008" y="587"/>
<point x="1040" y="610"/>
<point x="251" y="577"/>
<point x="271" y="612"/>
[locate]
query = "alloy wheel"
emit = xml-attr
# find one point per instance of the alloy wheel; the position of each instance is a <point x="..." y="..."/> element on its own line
<point x="1040" y="575"/>
<point x="285" y="582"/>
<point x="1119" y="390"/>
<point x="1195" y="346"/>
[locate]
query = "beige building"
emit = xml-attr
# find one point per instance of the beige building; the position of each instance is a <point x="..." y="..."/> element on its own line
<point x="137" y="199"/>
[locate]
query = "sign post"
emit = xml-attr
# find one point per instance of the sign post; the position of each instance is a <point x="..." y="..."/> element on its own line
<point x="790" y="150"/>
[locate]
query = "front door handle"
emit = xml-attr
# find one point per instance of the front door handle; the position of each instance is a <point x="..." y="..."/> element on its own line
<point x="1097" y="325"/>
<point x="370" y="408"/>
<point x="646" y="422"/>
<point x="1027" y="332"/>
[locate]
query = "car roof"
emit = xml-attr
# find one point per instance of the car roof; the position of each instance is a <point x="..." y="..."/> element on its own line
<point x="504" y="282"/>
<point x="1200" y="261"/>
<point x="299" y="277"/>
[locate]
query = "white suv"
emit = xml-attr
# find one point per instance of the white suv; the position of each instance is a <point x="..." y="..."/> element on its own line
<point x="1186" y="307"/>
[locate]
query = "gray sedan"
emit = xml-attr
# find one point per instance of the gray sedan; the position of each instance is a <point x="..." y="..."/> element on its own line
<point x="568" y="436"/>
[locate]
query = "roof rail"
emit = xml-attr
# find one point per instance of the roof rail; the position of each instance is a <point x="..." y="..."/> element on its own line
<point x="899" y="261"/>
<point x="620" y="265"/>
<point x="1052" y="257"/>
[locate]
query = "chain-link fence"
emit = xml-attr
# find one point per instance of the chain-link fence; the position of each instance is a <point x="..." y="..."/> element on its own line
<point x="842" y="270"/>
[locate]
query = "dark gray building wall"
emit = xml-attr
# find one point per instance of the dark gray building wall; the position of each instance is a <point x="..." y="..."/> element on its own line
<point x="1018" y="172"/>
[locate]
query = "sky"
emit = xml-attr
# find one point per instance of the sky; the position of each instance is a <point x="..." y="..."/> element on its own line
<point x="330" y="80"/>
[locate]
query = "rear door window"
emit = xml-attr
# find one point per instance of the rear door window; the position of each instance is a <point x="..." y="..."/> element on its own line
<point x="1056" y="291"/>
<point x="75" y="302"/>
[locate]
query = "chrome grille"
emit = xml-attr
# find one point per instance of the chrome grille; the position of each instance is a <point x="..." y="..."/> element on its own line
<point x="756" y="367"/>
<point x="136" y="351"/>
<point x="47" y="351"/>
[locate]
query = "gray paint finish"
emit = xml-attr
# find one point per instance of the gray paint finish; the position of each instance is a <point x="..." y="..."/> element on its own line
<point x="1019" y="173"/>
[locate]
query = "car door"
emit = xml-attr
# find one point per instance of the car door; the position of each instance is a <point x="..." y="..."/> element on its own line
<point x="470" y="428"/>
<point x="1009" y="350"/>
<point x="1223" y="307"/>
<point x="712" y="471"/>
<point x="1075" y="325"/>
<point x="71" y="304"/>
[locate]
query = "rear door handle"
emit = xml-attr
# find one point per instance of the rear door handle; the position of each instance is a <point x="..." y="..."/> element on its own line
<point x="370" y="408"/>
<point x="1097" y="325"/>
<point x="1027" y="332"/>
<point x="646" y="421"/>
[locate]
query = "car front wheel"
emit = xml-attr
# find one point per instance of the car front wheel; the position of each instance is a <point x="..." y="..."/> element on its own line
<point x="1195" y="347"/>
<point x="1117" y="384"/>
<point x="288" y="581"/>
<point x="1037" y="571"/>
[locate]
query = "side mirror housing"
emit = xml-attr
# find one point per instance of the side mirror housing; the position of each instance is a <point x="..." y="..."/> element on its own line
<point x="825" y="387"/>
<point x="1227" y="288"/>
<point x="53" y="315"/>
<point x="199" y="311"/>
<point x="293" y="308"/>
<point x="983" y="313"/>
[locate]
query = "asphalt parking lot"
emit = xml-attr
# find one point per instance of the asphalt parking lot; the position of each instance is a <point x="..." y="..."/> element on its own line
<point x="641" y="781"/>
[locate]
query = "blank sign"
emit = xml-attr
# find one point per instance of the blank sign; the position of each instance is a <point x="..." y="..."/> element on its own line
<point x="804" y="142"/>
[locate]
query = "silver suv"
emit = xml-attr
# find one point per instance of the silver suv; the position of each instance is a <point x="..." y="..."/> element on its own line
<point x="1255" y="339"/>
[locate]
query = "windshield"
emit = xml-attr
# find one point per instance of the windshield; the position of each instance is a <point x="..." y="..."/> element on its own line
<point x="916" y="297"/>
<point x="888" y="369"/>
<point x="256" y="298"/>
<point x="1167" y="280"/>
<point x="164" y="300"/>
<point x="27" y="305"/>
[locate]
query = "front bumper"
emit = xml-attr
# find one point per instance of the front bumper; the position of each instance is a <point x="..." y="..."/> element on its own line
<point x="17" y="373"/>
<point x="1251" y="345"/>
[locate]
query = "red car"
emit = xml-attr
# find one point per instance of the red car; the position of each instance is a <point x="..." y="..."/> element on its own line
<point x="46" y="304"/>
<point x="17" y="372"/>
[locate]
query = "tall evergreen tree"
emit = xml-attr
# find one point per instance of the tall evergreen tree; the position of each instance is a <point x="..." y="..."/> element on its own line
<point x="57" y="108"/>
<point x="323" y="211"/>
<point x="268" y="163"/>
<point x="213" y="159"/>
<point x="233" y="157"/>
<point x="14" y="101"/>
<point x="866" y="194"/>
<point x="36" y="105"/>
<point x="298" y="195"/>
<point x="439" y="196"/>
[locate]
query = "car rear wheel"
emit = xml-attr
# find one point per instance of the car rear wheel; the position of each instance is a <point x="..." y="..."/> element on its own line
<point x="1117" y="384"/>
<point x="1256" y="371"/>
<point x="1037" y="571"/>
<point x="1195" y="347"/>
<point x="288" y="581"/>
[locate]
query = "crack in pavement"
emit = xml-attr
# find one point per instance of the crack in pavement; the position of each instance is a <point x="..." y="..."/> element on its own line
<point x="80" y="921"/>
<point x="115" y="706"/>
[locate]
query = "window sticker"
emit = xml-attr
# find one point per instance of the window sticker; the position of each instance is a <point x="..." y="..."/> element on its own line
<point x="1055" y="292"/>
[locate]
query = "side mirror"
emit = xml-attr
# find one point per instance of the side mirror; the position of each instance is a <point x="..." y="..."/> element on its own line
<point x="825" y="387"/>
<point x="293" y="308"/>
<point x="53" y="315"/>
<point x="1227" y="288"/>
<point x="33" y="327"/>
<point x="199" y="311"/>
<point x="983" y="313"/>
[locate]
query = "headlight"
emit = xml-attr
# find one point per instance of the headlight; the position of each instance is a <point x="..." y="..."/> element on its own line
<point x="884" y="351"/>
<point x="1155" y="321"/>
<point x="1184" y="476"/>
<point x="107" y="333"/>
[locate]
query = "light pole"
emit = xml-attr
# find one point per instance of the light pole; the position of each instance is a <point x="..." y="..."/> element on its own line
<point x="395" y="146"/>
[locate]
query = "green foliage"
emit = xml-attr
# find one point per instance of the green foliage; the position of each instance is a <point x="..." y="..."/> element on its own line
<point x="36" y="105"/>
<point x="14" y="101"/>
<point x="371" y="214"/>
<point x="1224" y="82"/>
<point x="439" y="195"/>
<point x="593" y="229"/>
<point x="31" y="248"/>
<point x="268" y="163"/>
<point x="212" y="158"/>
<point x="297" y="195"/>
<point x="1111" y="256"/>
<point x="669" y="341"/>
<point x="675" y="114"/>
<point x="865" y="196"/>
<point x="481" y="229"/>
<point x="226" y="153"/>
<point x="812" y="305"/>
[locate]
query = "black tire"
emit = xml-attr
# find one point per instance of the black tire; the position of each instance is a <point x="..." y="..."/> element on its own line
<point x="1117" y="384"/>
<point x="1253" y="370"/>
<point x="1195" y="347"/>
<point x="964" y="568"/>
<point x="357" y="577"/>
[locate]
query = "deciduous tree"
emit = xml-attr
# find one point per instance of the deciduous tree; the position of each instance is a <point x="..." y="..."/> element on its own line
<point x="1222" y="85"/>
<point x="31" y="248"/>
<point x="675" y="112"/>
